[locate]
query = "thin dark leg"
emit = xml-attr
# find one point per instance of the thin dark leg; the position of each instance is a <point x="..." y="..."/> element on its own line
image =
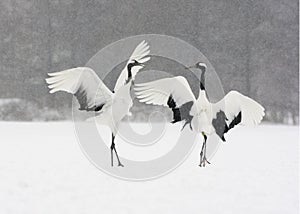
<point x="119" y="162"/>
<point x="201" y="154"/>
<point x="113" y="148"/>
<point x="111" y="157"/>
<point x="203" y="159"/>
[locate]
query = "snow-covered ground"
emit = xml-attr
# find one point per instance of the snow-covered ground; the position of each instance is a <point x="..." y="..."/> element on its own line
<point x="42" y="170"/>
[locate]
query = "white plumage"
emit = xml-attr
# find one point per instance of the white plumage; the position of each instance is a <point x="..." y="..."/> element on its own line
<point x="139" y="54"/>
<point x="235" y="102"/>
<point x="93" y="95"/>
<point x="84" y="80"/>
<point x="202" y="116"/>
<point x="158" y="92"/>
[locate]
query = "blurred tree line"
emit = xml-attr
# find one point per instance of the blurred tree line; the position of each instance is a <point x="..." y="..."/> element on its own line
<point x="253" y="45"/>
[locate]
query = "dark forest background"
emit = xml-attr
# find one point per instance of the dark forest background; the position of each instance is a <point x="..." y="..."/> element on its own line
<point x="253" y="46"/>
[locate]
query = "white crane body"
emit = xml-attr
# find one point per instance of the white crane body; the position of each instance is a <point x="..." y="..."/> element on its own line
<point x="93" y="95"/>
<point x="202" y="116"/>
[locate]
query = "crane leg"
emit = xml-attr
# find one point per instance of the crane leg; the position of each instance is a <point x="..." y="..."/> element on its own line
<point x="111" y="156"/>
<point x="113" y="148"/>
<point x="203" y="159"/>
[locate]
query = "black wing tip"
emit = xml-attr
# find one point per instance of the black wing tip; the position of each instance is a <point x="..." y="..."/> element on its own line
<point x="180" y="113"/>
<point x="220" y="125"/>
<point x="236" y="120"/>
<point x="94" y="108"/>
<point x="171" y="102"/>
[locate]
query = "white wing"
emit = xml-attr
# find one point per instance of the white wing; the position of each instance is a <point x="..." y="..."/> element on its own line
<point x="159" y="92"/>
<point x="234" y="102"/>
<point x="139" y="54"/>
<point x="82" y="82"/>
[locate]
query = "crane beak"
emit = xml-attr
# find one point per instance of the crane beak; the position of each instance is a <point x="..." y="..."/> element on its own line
<point x="192" y="66"/>
<point x="141" y="64"/>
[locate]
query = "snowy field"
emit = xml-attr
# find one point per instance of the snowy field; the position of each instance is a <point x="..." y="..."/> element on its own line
<point x="42" y="170"/>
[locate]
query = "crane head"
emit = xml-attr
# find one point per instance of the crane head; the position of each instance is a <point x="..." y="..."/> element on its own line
<point x="135" y="63"/>
<point x="200" y="65"/>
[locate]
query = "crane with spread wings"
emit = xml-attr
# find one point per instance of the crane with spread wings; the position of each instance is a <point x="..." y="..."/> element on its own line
<point x="93" y="95"/>
<point x="202" y="116"/>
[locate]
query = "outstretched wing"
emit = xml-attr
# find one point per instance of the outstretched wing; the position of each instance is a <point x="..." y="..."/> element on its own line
<point x="84" y="83"/>
<point x="173" y="92"/>
<point x="139" y="54"/>
<point x="235" y="108"/>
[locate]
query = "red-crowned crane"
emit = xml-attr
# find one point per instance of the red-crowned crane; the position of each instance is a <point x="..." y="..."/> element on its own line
<point x="202" y="116"/>
<point x="93" y="95"/>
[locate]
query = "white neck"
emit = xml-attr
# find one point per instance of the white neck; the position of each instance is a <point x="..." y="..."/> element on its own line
<point x="202" y="95"/>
